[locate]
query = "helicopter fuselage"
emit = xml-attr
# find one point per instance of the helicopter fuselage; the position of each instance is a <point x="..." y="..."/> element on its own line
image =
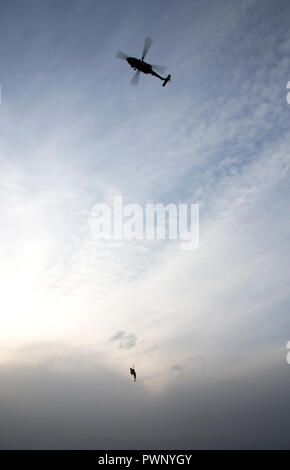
<point x="138" y="64"/>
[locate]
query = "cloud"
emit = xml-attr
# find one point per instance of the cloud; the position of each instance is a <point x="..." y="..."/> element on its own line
<point x="118" y="335"/>
<point x="127" y="341"/>
<point x="218" y="137"/>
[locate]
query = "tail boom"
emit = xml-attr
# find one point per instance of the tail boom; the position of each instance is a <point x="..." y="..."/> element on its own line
<point x="166" y="80"/>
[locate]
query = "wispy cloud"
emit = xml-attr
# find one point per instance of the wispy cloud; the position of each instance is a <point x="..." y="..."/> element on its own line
<point x="126" y="341"/>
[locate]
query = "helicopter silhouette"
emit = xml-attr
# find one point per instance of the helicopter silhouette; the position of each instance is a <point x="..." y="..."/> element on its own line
<point x="140" y="66"/>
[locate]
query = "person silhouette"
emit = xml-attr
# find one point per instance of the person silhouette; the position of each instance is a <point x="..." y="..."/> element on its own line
<point x="133" y="372"/>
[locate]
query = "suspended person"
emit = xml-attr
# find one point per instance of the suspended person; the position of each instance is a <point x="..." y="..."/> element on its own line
<point x="133" y="372"/>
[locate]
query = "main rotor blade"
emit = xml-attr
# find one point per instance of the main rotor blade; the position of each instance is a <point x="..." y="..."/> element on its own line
<point x="147" y="45"/>
<point x="121" y="55"/>
<point x="159" y="68"/>
<point x="135" y="78"/>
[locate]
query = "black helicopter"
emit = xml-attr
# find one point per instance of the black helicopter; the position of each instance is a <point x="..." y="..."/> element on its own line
<point x="141" y="66"/>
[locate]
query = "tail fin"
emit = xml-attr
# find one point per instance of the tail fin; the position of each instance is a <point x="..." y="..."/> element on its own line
<point x="166" y="80"/>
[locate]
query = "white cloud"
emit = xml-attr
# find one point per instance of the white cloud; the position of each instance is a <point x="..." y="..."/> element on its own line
<point x="222" y="143"/>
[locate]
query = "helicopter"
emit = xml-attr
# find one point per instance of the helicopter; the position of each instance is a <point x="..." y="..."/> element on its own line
<point x="141" y="66"/>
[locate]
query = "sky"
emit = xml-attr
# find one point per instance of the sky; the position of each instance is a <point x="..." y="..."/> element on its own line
<point x="206" y="329"/>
